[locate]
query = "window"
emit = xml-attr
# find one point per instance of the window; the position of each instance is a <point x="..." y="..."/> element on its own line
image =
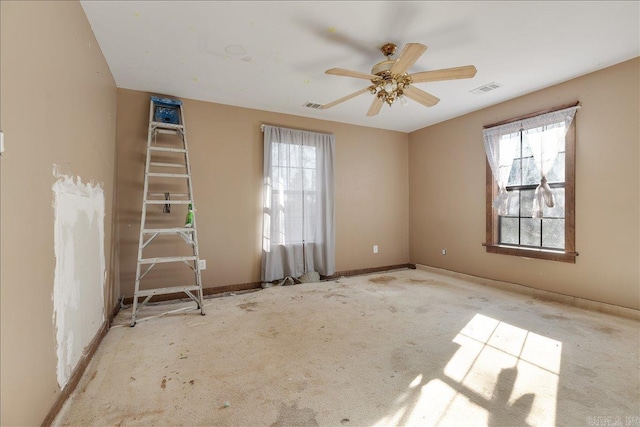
<point x="298" y="208"/>
<point x="293" y="174"/>
<point x="530" y="186"/>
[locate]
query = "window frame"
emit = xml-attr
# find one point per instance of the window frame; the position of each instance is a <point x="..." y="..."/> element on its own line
<point x="569" y="253"/>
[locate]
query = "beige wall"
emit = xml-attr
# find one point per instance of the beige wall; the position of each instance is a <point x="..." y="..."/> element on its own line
<point x="225" y="147"/>
<point x="447" y="191"/>
<point x="57" y="106"/>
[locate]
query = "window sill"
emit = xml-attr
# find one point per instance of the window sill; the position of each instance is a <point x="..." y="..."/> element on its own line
<point x="561" y="256"/>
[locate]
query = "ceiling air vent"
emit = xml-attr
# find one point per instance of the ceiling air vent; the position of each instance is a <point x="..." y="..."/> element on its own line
<point x="313" y="105"/>
<point x="486" y="88"/>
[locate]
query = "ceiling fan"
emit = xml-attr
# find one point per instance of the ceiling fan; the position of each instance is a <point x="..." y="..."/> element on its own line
<point x="390" y="81"/>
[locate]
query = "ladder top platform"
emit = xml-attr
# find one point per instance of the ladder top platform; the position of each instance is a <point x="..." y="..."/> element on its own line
<point x="166" y="101"/>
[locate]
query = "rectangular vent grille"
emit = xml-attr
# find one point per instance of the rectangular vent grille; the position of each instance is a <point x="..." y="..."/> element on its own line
<point x="313" y="105"/>
<point x="486" y="88"/>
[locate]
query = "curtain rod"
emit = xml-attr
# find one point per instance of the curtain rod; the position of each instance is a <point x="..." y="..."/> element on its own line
<point x="304" y="130"/>
<point x="538" y="113"/>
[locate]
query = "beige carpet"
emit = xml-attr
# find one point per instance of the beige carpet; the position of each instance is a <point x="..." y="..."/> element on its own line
<point x="401" y="348"/>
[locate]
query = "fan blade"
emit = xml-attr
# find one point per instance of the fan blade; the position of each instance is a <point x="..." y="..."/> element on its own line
<point x="409" y="55"/>
<point x="375" y="106"/>
<point x="349" y="73"/>
<point x="465" y="72"/>
<point x="346" y="98"/>
<point x="421" y="96"/>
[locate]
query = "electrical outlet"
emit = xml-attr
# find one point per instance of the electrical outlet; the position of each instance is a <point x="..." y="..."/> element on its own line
<point x="444" y="252"/>
<point x="375" y="249"/>
<point x="202" y="263"/>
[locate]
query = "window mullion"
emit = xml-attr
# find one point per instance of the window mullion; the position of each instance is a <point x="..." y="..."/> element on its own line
<point x="520" y="193"/>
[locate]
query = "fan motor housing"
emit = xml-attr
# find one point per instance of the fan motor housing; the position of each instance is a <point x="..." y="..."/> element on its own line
<point x="382" y="67"/>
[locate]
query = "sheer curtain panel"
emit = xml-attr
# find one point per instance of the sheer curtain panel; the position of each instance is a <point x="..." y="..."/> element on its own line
<point x="545" y="135"/>
<point x="298" y="234"/>
<point x="500" y="144"/>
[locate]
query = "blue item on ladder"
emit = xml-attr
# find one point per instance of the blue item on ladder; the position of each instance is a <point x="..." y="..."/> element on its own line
<point x="167" y="102"/>
<point x="166" y="110"/>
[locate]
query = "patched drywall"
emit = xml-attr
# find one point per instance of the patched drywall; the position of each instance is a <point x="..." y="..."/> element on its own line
<point x="78" y="289"/>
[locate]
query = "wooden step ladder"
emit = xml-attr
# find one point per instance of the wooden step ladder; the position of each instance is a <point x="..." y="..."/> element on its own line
<point x="166" y="117"/>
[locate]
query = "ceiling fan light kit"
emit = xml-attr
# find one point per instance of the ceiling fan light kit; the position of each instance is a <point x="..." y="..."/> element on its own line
<point x="391" y="82"/>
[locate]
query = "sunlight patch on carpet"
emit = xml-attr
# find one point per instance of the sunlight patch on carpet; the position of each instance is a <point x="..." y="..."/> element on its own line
<point x="498" y="371"/>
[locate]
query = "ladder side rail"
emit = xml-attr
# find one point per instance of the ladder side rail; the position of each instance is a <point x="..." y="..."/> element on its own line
<point x="144" y="214"/>
<point x="194" y="237"/>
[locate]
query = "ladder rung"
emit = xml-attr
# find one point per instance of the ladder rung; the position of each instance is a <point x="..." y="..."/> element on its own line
<point x="168" y="149"/>
<point x="168" y="202"/>
<point x="163" y="291"/>
<point x="162" y="125"/>
<point x="168" y="165"/>
<point x="168" y="131"/>
<point x="169" y="175"/>
<point x="167" y="259"/>
<point x="167" y="230"/>
<point x="171" y="194"/>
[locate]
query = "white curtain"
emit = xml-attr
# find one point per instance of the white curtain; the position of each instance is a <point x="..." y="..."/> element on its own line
<point x="546" y="140"/>
<point x="298" y="208"/>
<point x="501" y="142"/>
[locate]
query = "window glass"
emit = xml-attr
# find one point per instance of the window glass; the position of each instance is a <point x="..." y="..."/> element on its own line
<point x="553" y="233"/>
<point x="509" y="230"/>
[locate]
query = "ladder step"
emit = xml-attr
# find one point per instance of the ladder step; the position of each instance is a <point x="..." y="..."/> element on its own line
<point x="169" y="175"/>
<point x="168" y="202"/>
<point x="167" y="259"/>
<point x="162" y="125"/>
<point x="163" y="291"/>
<point x="171" y="194"/>
<point x="168" y="165"/>
<point x="168" y="131"/>
<point x="167" y="230"/>
<point x="168" y="149"/>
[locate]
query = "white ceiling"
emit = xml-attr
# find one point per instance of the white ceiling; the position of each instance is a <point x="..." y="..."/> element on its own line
<point x="271" y="55"/>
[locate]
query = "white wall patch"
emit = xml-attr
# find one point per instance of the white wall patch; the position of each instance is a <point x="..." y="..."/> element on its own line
<point x="78" y="289"/>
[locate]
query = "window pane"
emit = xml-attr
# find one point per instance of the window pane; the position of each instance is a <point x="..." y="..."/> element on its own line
<point x="309" y="157"/>
<point x="279" y="175"/>
<point x="517" y="153"/>
<point x="553" y="233"/>
<point x="294" y="179"/>
<point x="556" y="173"/>
<point x="310" y="200"/>
<point x="295" y="155"/>
<point x="293" y="203"/>
<point x="530" y="172"/>
<point x="513" y="204"/>
<point x="309" y="179"/>
<point x="514" y="175"/>
<point x="275" y="151"/>
<point x="509" y="231"/>
<point x="557" y="211"/>
<point x="526" y="202"/>
<point x="526" y="150"/>
<point x="530" y="232"/>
